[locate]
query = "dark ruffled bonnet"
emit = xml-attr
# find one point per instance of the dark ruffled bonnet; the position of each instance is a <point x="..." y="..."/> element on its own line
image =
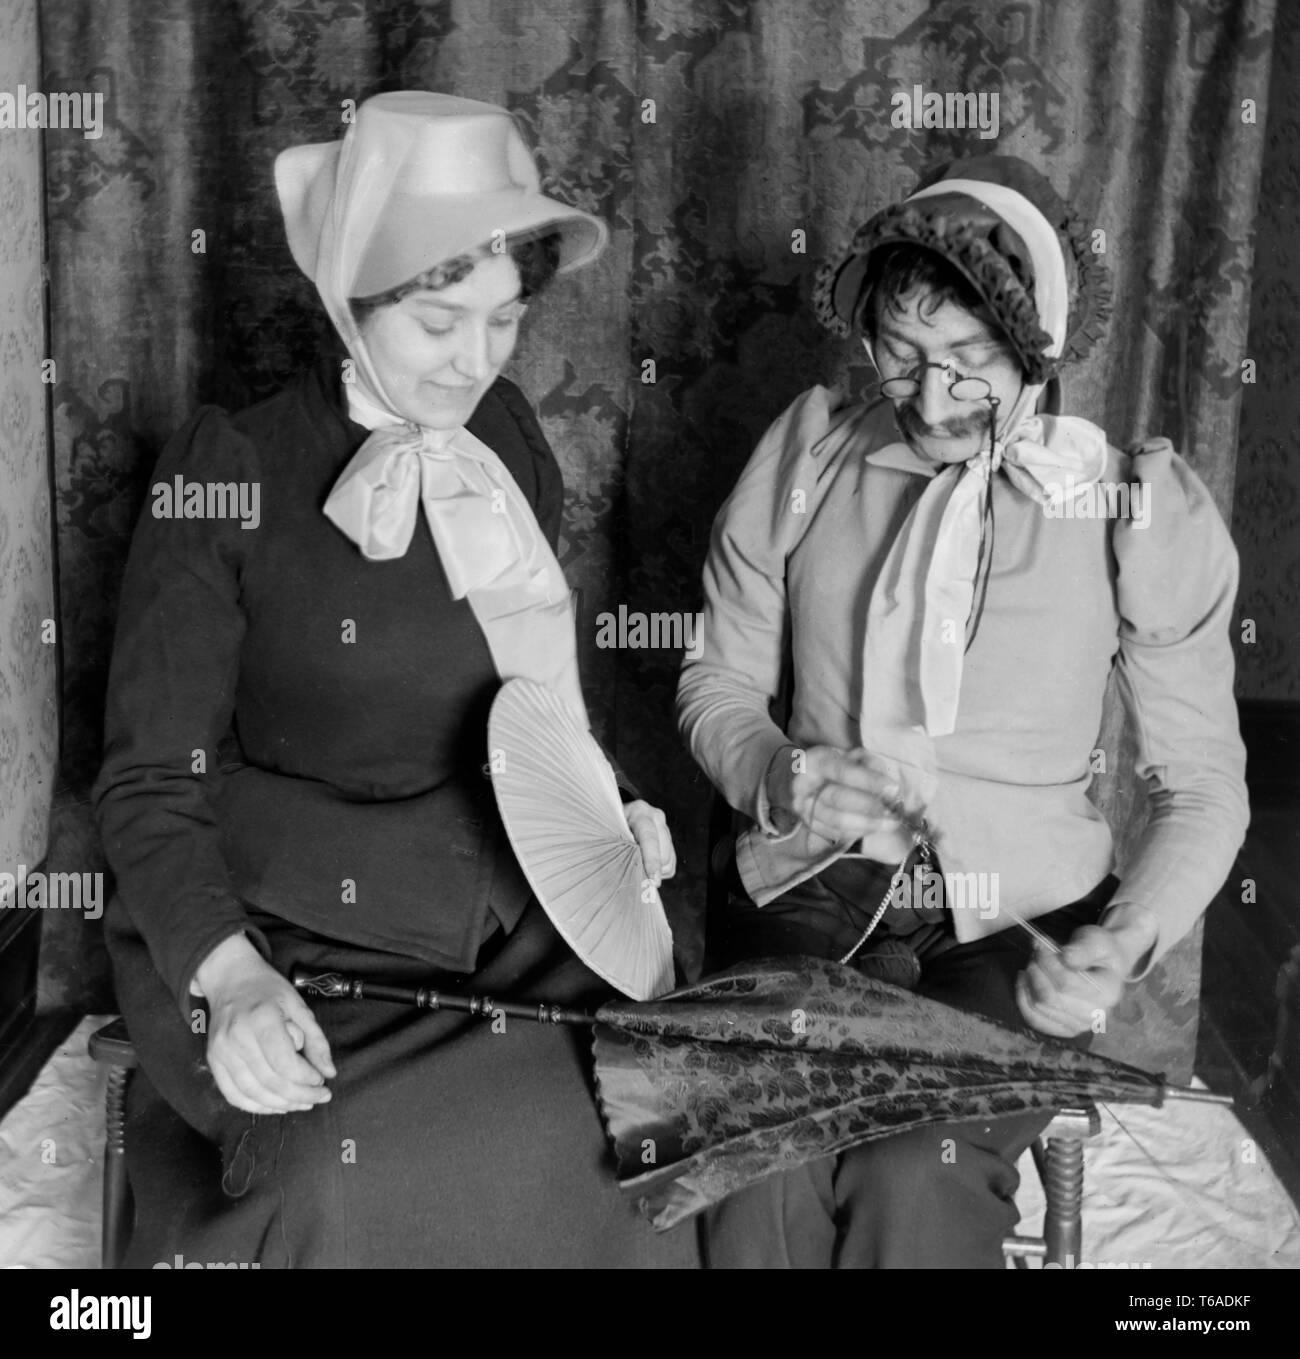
<point x="988" y="252"/>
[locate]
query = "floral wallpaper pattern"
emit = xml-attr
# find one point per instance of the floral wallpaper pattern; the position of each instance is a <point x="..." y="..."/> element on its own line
<point x="28" y="749"/>
<point x="729" y="144"/>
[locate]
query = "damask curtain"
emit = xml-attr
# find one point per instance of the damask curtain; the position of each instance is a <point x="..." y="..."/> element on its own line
<point x="1266" y="493"/>
<point x="729" y="144"/>
<point x="28" y="707"/>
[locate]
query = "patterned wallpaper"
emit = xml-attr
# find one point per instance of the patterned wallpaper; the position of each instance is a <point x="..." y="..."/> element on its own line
<point x="27" y="650"/>
<point x="1266" y="509"/>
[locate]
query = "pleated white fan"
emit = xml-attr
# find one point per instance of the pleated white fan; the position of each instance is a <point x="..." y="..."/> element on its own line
<point x="561" y="808"/>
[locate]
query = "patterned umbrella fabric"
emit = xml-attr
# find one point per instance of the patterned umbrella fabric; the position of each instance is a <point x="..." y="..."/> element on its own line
<point x="778" y="1062"/>
<point x="775" y="1063"/>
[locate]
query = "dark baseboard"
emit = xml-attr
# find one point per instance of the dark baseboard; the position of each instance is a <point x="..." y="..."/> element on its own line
<point x="20" y="937"/>
<point x="26" y="1038"/>
<point x="26" y="1052"/>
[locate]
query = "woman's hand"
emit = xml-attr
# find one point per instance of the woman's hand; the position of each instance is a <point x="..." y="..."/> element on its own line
<point x="649" y="827"/>
<point x="840" y="795"/>
<point x="266" y="1050"/>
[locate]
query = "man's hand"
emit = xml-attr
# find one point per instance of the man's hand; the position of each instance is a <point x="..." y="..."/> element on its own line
<point x="840" y="795"/>
<point x="265" y="1048"/>
<point x="649" y="827"/>
<point x="1062" y="994"/>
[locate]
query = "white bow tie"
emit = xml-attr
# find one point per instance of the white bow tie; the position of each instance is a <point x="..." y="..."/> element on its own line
<point x="491" y="547"/>
<point x="482" y="531"/>
<point x="938" y="590"/>
<point x="915" y="648"/>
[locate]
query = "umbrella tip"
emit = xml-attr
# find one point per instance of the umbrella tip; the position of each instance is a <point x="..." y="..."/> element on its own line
<point x="1187" y="1092"/>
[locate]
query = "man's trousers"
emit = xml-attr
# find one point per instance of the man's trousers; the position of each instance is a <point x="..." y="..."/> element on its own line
<point x="937" y="1197"/>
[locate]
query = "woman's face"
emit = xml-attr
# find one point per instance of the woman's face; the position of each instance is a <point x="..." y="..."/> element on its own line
<point x="438" y="351"/>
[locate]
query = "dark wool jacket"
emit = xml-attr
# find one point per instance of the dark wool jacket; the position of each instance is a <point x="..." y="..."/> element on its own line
<point x="293" y="726"/>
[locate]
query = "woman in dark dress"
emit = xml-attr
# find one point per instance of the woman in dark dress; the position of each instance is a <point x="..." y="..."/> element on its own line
<point x="296" y="744"/>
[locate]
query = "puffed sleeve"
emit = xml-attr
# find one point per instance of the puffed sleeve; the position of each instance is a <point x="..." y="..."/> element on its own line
<point x="1177" y="581"/>
<point x="724" y="693"/>
<point x="171" y="691"/>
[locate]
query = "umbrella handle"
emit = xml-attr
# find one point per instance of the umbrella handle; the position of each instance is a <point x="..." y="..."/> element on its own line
<point x="345" y="986"/>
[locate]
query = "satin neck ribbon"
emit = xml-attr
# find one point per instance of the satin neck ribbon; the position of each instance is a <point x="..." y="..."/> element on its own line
<point x="487" y="537"/>
<point x="465" y="493"/>
<point x="916" y="621"/>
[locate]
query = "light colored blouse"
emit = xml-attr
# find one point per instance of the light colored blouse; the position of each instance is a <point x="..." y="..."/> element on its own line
<point x="795" y="554"/>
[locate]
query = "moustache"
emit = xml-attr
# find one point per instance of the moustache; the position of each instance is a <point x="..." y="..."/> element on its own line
<point x="910" y="423"/>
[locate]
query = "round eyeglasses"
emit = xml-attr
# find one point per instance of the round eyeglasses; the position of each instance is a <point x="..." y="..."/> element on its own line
<point x="960" y="387"/>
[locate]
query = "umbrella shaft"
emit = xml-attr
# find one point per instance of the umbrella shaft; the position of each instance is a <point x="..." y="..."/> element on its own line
<point x="341" y="986"/>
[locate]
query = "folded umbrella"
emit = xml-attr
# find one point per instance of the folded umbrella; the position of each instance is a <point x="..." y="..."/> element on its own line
<point x="778" y="1062"/>
<point x="775" y="1063"/>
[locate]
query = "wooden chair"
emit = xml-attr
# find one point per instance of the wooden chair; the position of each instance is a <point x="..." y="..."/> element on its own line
<point x="1058" y="1158"/>
<point x="112" y="1046"/>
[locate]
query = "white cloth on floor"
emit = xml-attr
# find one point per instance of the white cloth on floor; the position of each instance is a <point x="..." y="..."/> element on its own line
<point x="1209" y="1200"/>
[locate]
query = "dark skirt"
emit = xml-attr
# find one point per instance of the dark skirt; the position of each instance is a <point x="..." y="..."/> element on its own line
<point x="445" y="1144"/>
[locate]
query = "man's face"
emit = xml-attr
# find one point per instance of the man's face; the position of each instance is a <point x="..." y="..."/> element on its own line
<point x="938" y="427"/>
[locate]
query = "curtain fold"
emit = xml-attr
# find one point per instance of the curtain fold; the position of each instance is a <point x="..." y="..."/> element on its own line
<point x="730" y="145"/>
